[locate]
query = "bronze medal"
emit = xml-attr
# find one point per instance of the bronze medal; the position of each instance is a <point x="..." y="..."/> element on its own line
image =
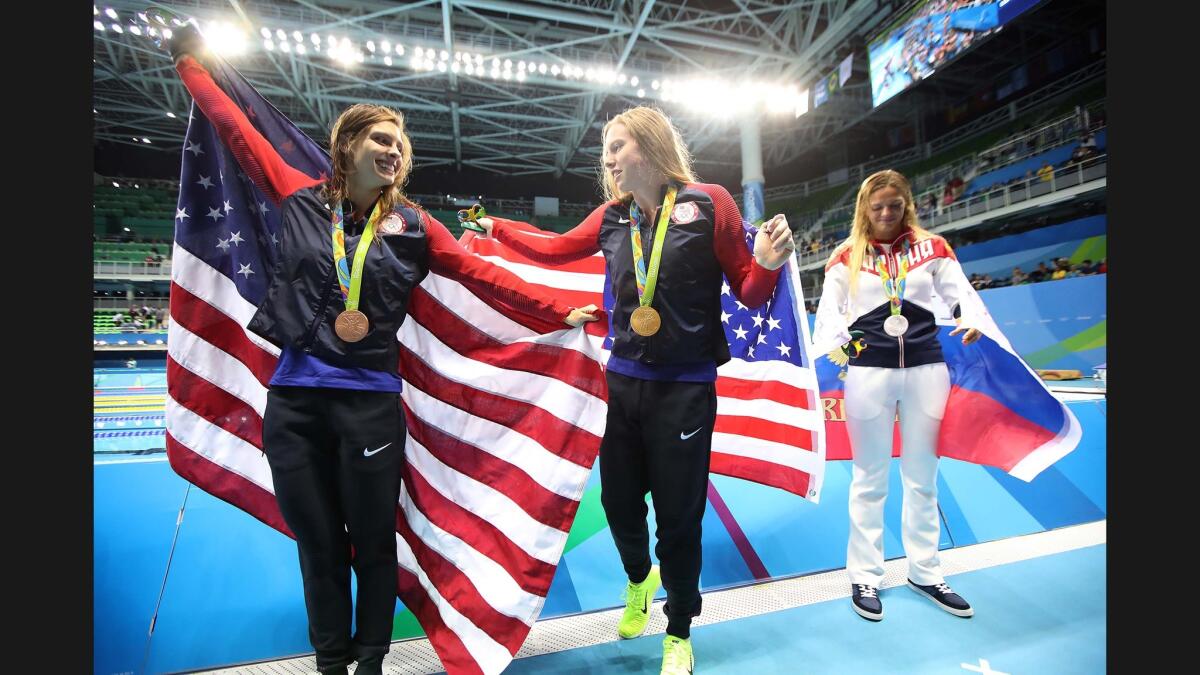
<point x="351" y="325"/>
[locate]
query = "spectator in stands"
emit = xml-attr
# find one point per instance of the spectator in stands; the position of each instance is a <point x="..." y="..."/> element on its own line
<point x="1061" y="268"/>
<point x="1102" y="267"/>
<point x="1042" y="273"/>
<point x="336" y="387"/>
<point x="1085" y="150"/>
<point x="986" y="281"/>
<point x="1046" y="172"/>
<point x="1018" y="277"/>
<point x="976" y="281"/>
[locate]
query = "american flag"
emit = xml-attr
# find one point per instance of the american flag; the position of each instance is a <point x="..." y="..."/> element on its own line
<point x="770" y="425"/>
<point x="504" y="419"/>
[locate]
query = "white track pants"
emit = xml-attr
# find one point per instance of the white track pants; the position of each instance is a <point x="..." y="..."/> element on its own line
<point x="871" y="400"/>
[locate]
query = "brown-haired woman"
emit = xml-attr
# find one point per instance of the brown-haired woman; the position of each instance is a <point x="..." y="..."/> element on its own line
<point x="333" y="430"/>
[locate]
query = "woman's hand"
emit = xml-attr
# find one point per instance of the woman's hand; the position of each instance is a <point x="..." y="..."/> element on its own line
<point x="972" y="335"/>
<point x="773" y="244"/>
<point x="578" y="315"/>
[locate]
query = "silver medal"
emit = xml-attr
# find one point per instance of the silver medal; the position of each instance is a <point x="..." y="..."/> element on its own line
<point x="895" y="325"/>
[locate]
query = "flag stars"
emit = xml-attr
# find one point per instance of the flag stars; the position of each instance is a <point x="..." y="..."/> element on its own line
<point x="223" y="244"/>
<point x="236" y="238"/>
<point x="741" y="333"/>
<point x="180" y="214"/>
<point x="262" y="208"/>
<point x="757" y="318"/>
<point x="784" y="350"/>
<point x="195" y="148"/>
<point x="228" y="208"/>
<point x="245" y="270"/>
<point x="215" y="214"/>
<point x="205" y="181"/>
<point x="772" y="324"/>
<point x="725" y="317"/>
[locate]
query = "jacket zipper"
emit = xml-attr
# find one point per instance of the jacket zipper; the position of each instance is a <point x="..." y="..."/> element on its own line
<point x="320" y="315"/>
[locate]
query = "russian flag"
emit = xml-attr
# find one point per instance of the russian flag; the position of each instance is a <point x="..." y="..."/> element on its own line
<point x="1000" y="413"/>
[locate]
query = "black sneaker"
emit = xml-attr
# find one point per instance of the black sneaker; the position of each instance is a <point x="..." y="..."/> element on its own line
<point x="943" y="597"/>
<point x="866" y="601"/>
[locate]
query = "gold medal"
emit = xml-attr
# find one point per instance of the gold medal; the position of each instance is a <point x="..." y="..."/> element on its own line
<point x="645" y="321"/>
<point x="351" y="325"/>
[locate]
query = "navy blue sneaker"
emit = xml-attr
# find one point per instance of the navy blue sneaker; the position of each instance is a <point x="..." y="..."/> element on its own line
<point x="866" y="601"/>
<point x="943" y="597"/>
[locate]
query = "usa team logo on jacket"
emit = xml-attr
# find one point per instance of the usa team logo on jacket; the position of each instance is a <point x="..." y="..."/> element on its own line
<point x="685" y="213"/>
<point x="392" y="224"/>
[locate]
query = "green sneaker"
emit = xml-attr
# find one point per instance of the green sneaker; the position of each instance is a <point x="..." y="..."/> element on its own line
<point x="637" y="605"/>
<point x="677" y="656"/>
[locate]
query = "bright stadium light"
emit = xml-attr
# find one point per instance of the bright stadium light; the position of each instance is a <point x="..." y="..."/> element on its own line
<point x="226" y="39"/>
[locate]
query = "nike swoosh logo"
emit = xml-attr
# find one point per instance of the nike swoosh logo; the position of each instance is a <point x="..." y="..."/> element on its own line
<point x="684" y="437"/>
<point x="368" y="453"/>
<point x="622" y="220"/>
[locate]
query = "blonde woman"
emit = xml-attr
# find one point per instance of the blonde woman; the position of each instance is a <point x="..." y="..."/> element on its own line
<point x="666" y="240"/>
<point x="876" y="317"/>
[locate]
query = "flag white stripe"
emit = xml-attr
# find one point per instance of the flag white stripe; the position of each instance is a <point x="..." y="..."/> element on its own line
<point x="215" y="365"/>
<point x="217" y="445"/>
<point x="535" y="538"/>
<point x="490" y="578"/>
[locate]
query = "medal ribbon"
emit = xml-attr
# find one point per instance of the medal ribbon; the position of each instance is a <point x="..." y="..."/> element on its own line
<point x="646" y="281"/>
<point x="350" y="281"/>
<point x="893" y="288"/>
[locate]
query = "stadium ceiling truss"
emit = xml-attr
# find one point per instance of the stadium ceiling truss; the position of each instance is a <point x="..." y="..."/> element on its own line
<point x="544" y="124"/>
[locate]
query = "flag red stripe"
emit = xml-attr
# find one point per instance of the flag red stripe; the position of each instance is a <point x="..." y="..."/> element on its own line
<point x="533" y="575"/>
<point x="222" y="332"/>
